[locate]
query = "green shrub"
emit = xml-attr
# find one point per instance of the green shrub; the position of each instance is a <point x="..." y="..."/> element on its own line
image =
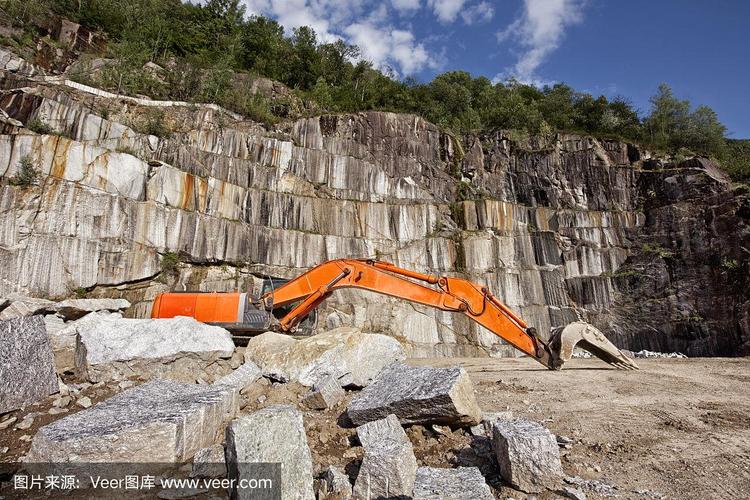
<point x="27" y="174"/>
<point x="736" y="159"/>
<point x="152" y="123"/>
<point x="169" y="263"/>
<point x="40" y="127"/>
<point x="657" y="250"/>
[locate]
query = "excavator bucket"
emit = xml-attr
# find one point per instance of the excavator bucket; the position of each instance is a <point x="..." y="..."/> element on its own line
<point x="585" y="336"/>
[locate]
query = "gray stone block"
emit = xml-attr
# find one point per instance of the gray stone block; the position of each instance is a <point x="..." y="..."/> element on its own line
<point x="27" y="368"/>
<point x="418" y="395"/>
<point x="352" y="356"/>
<point x="162" y="421"/>
<point x="451" y="484"/>
<point x="20" y="306"/>
<point x="242" y="377"/>
<point x="73" y="309"/>
<point x="178" y="348"/>
<point x="389" y="466"/>
<point x="527" y="454"/>
<point x="484" y="428"/>
<point x="335" y="485"/>
<point x="324" y="394"/>
<point x="209" y="462"/>
<point x="272" y="435"/>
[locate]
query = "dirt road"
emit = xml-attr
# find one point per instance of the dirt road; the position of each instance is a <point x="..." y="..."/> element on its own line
<point x="677" y="427"/>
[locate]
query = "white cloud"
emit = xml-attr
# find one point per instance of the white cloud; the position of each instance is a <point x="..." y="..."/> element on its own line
<point x="479" y="13"/>
<point x="539" y="31"/>
<point x="385" y="46"/>
<point x="446" y="10"/>
<point x="364" y="23"/>
<point x="406" y="6"/>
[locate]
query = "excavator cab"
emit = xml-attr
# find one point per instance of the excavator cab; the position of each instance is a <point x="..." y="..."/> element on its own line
<point x="270" y="284"/>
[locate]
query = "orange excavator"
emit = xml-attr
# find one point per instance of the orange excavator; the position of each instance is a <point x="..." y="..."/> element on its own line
<point x="239" y="312"/>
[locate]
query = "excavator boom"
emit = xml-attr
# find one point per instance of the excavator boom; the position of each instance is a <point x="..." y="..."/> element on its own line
<point x="458" y="295"/>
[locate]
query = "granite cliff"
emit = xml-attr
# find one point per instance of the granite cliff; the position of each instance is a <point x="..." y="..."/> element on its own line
<point x="135" y="197"/>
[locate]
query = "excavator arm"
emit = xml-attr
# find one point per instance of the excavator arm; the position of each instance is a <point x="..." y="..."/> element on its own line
<point x="441" y="292"/>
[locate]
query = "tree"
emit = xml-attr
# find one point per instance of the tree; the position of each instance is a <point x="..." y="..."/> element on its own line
<point x="264" y="48"/>
<point x="671" y="125"/>
<point x="305" y="62"/>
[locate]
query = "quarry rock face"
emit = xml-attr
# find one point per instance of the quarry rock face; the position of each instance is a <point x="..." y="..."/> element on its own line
<point x="178" y="348"/>
<point x="418" y="395"/>
<point x="560" y="228"/>
<point x="275" y="434"/>
<point x="159" y="422"/>
<point x="389" y="467"/>
<point x="348" y="354"/>
<point x="27" y="369"/>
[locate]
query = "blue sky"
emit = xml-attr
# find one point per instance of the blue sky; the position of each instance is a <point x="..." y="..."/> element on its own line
<point x="700" y="48"/>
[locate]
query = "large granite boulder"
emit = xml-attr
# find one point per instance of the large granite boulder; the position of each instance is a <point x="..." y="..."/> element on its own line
<point x="451" y="484"/>
<point x="421" y="395"/>
<point x="27" y="369"/>
<point x="354" y="357"/>
<point x="527" y="453"/>
<point x="180" y="348"/>
<point x="275" y="434"/>
<point x="73" y="309"/>
<point x="62" y="336"/>
<point x="162" y="421"/>
<point x="389" y="466"/>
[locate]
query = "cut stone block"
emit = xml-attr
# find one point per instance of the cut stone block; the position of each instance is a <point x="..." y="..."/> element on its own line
<point x="209" y="462"/>
<point x="325" y="394"/>
<point x="527" y="453"/>
<point x="355" y="358"/>
<point x="73" y="309"/>
<point x="19" y="306"/>
<point x="420" y="395"/>
<point x="272" y="435"/>
<point x="178" y="348"/>
<point x="484" y="428"/>
<point x="159" y="422"/>
<point x="27" y="368"/>
<point x="389" y="466"/>
<point x="242" y="377"/>
<point x="451" y="484"/>
<point x="335" y="485"/>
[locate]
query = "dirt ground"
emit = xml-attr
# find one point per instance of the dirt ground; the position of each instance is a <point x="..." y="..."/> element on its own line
<point x="677" y="427"/>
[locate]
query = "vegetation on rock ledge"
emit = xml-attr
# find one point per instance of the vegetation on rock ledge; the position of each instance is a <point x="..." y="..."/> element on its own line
<point x="206" y="53"/>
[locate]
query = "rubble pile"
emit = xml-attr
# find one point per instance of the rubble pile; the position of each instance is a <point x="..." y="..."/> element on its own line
<point x="341" y="412"/>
